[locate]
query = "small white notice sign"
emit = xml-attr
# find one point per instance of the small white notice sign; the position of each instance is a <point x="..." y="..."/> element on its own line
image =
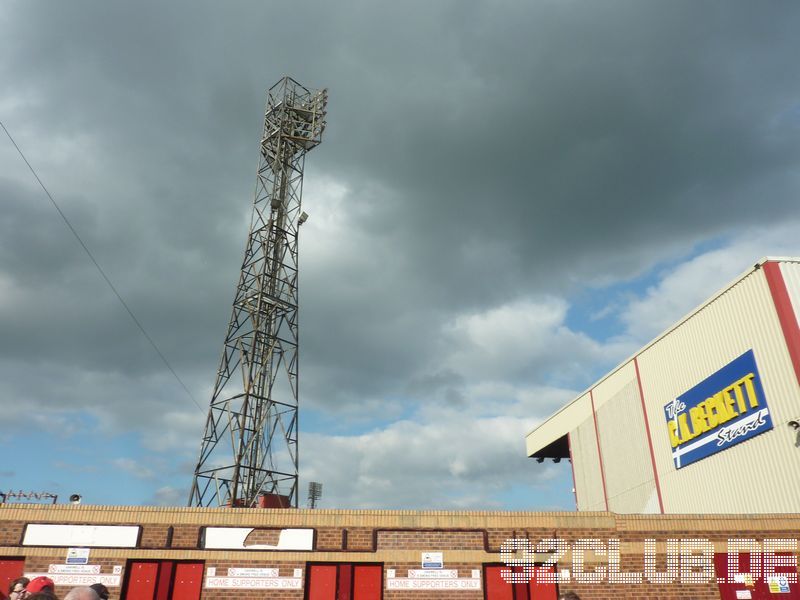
<point x="743" y="595"/>
<point x="77" y="556"/>
<point x="432" y="560"/>
<point x="75" y="569"/>
<point x="252" y="572"/>
<point x="433" y="574"/>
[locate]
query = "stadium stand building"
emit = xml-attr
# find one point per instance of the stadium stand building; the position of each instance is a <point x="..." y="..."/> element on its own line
<point x="703" y="419"/>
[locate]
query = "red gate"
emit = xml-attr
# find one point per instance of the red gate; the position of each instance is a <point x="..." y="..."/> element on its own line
<point x="496" y="588"/>
<point x="344" y="582"/>
<point x="163" y="580"/>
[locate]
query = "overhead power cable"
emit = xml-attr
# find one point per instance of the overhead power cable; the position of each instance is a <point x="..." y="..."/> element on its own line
<point x="102" y="273"/>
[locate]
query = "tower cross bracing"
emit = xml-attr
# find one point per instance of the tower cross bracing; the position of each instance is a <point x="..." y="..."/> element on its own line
<point x="250" y="443"/>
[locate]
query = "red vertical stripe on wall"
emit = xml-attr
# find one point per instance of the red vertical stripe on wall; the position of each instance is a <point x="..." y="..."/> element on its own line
<point x="649" y="437"/>
<point x="599" y="454"/>
<point x="786" y="315"/>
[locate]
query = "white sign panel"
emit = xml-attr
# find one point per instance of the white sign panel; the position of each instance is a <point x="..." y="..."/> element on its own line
<point x="233" y="538"/>
<point x="432" y="560"/>
<point x="76" y="579"/>
<point x="433" y="584"/>
<point x="84" y="536"/>
<point x="254" y="583"/>
<point x="75" y="569"/>
<point x="438" y="574"/>
<point x="743" y="595"/>
<point x="252" y="572"/>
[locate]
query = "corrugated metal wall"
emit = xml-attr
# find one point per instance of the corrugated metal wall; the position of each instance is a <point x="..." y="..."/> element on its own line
<point x="586" y="463"/>
<point x="791" y="275"/>
<point x="758" y="475"/>
<point x="630" y="483"/>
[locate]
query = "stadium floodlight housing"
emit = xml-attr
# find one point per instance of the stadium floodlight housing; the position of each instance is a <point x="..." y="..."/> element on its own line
<point x="314" y="493"/>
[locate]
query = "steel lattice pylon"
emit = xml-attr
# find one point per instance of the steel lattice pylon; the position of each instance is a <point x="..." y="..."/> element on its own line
<point x="250" y="444"/>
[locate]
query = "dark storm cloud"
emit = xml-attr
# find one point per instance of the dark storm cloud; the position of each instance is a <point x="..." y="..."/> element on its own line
<point x="489" y="151"/>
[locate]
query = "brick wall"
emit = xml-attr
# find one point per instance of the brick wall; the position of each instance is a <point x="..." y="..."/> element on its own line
<point x="330" y="538"/>
<point x="427" y="540"/>
<point x="394" y="540"/>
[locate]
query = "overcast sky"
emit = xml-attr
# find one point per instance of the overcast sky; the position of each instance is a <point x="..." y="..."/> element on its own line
<point x="510" y="199"/>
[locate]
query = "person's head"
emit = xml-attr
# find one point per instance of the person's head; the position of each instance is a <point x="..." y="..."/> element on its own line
<point x="48" y="595"/>
<point x="569" y="596"/>
<point x="41" y="584"/>
<point x="82" y="593"/>
<point x="17" y="587"/>
<point x="102" y="591"/>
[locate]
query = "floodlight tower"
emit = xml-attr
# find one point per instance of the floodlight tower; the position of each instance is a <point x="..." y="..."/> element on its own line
<point x="249" y="449"/>
<point x="314" y="493"/>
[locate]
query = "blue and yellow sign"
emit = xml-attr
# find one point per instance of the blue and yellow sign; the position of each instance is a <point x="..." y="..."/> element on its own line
<point x="724" y="409"/>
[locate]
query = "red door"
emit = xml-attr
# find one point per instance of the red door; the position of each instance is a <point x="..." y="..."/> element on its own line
<point x="188" y="581"/>
<point x="322" y="582"/>
<point x="539" y="590"/>
<point x="164" y="580"/>
<point x="367" y="582"/>
<point x="10" y="569"/>
<point x="497" y="588"/>
<point x="142" y="579"/>
<point x="758" y="588"/>
<point x="345" y="582"/>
